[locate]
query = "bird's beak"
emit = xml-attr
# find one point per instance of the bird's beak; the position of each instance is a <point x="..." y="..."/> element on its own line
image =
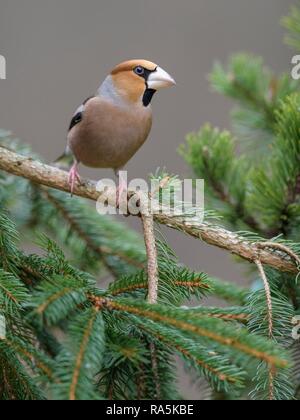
<point x="160" y="79"/>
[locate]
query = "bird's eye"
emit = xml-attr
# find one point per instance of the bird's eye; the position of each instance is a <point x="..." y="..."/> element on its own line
<point x="140" y="71"/>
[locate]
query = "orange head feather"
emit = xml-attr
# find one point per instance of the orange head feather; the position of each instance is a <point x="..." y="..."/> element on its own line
<point x="132" y="78"/>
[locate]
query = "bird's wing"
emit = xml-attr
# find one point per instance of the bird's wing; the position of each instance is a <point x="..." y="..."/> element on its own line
<point x="66" y="159"/>
<point x="77" y="117"/>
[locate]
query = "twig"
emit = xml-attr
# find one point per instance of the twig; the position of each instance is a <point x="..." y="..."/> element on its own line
<point x="270" y="322"/>
<point x="39" y="173"/>
<point x="155" y="370"/>
<point x="280" y="247"/>
<point x="149" y="237"/>
<point x="268" y="296"/>
<point x="272" y="374"/>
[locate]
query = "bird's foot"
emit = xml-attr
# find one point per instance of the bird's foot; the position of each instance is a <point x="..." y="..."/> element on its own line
<point x="73" y="177"/>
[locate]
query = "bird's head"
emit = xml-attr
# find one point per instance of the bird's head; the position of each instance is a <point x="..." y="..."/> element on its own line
<point x="136" y="81"/>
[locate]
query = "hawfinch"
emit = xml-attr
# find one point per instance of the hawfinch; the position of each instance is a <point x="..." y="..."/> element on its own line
<point x="110" y="127"/>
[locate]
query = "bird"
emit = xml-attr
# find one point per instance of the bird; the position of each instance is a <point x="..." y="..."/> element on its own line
<point x="109" y="128"/>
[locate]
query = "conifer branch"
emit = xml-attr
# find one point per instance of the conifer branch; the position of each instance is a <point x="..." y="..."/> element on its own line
<point x="81" y="355"/>
<point x="242" y="317"/>
<point x="81" y="233"/>
<point x="40" y="363"/>
<point x="144" y="285"/>
<point x="189" y="327"/>
<point x="188" y="354"/>
<point x="67" y="338"/>
<point x="37" y="172"/>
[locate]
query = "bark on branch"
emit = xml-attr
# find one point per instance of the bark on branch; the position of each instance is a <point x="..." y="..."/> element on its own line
<point x="49" y="176"/>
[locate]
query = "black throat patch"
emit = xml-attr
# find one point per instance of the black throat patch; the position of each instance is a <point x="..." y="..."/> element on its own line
<point x="148" y="95"/>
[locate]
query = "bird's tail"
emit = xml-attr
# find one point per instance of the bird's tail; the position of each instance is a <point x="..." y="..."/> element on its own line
<point x="65" y="161"/>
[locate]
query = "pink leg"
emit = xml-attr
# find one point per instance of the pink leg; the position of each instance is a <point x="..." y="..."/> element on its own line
<point x="122" y="188"/>
<point x="120" y="191"/>
<point x="73" y="177"/>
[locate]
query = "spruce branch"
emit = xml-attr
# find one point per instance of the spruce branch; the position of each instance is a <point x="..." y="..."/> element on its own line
<point x="274" y="185"/>
<point x="206" y="328"/>
<point x="29" y="354"/>
<point x="89" y="237"/>
<point x="15" y="382"/>
<point x="211" y="154"/>
<point x="118" y="288"/>
<point x="271" y="319"/>
<point x="81" y="233"/>
<point x="291" y="23"/>
<point x="39" y="173"/>
<point x="229" y="292"/>
<point x="81" y="358"/>
<point x="217" y="369"/>
<point x="256" y="89"/>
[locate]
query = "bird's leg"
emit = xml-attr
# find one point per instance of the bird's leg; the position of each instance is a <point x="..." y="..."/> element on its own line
<point x="121" y="189"/>
<point x="73" y="176"/>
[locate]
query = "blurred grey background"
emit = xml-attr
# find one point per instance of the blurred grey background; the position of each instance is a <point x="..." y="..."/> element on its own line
<point x="59" y="51"/>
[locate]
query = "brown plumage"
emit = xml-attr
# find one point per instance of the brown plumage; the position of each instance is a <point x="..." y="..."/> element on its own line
<point x="109" y="128"/>
<point x="109" y="136"/>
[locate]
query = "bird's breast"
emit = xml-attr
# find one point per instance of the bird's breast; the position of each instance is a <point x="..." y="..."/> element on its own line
<point x="108" y="135"/>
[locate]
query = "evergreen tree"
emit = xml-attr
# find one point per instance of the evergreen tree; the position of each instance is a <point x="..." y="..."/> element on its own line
<point x="66" y="334"/>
